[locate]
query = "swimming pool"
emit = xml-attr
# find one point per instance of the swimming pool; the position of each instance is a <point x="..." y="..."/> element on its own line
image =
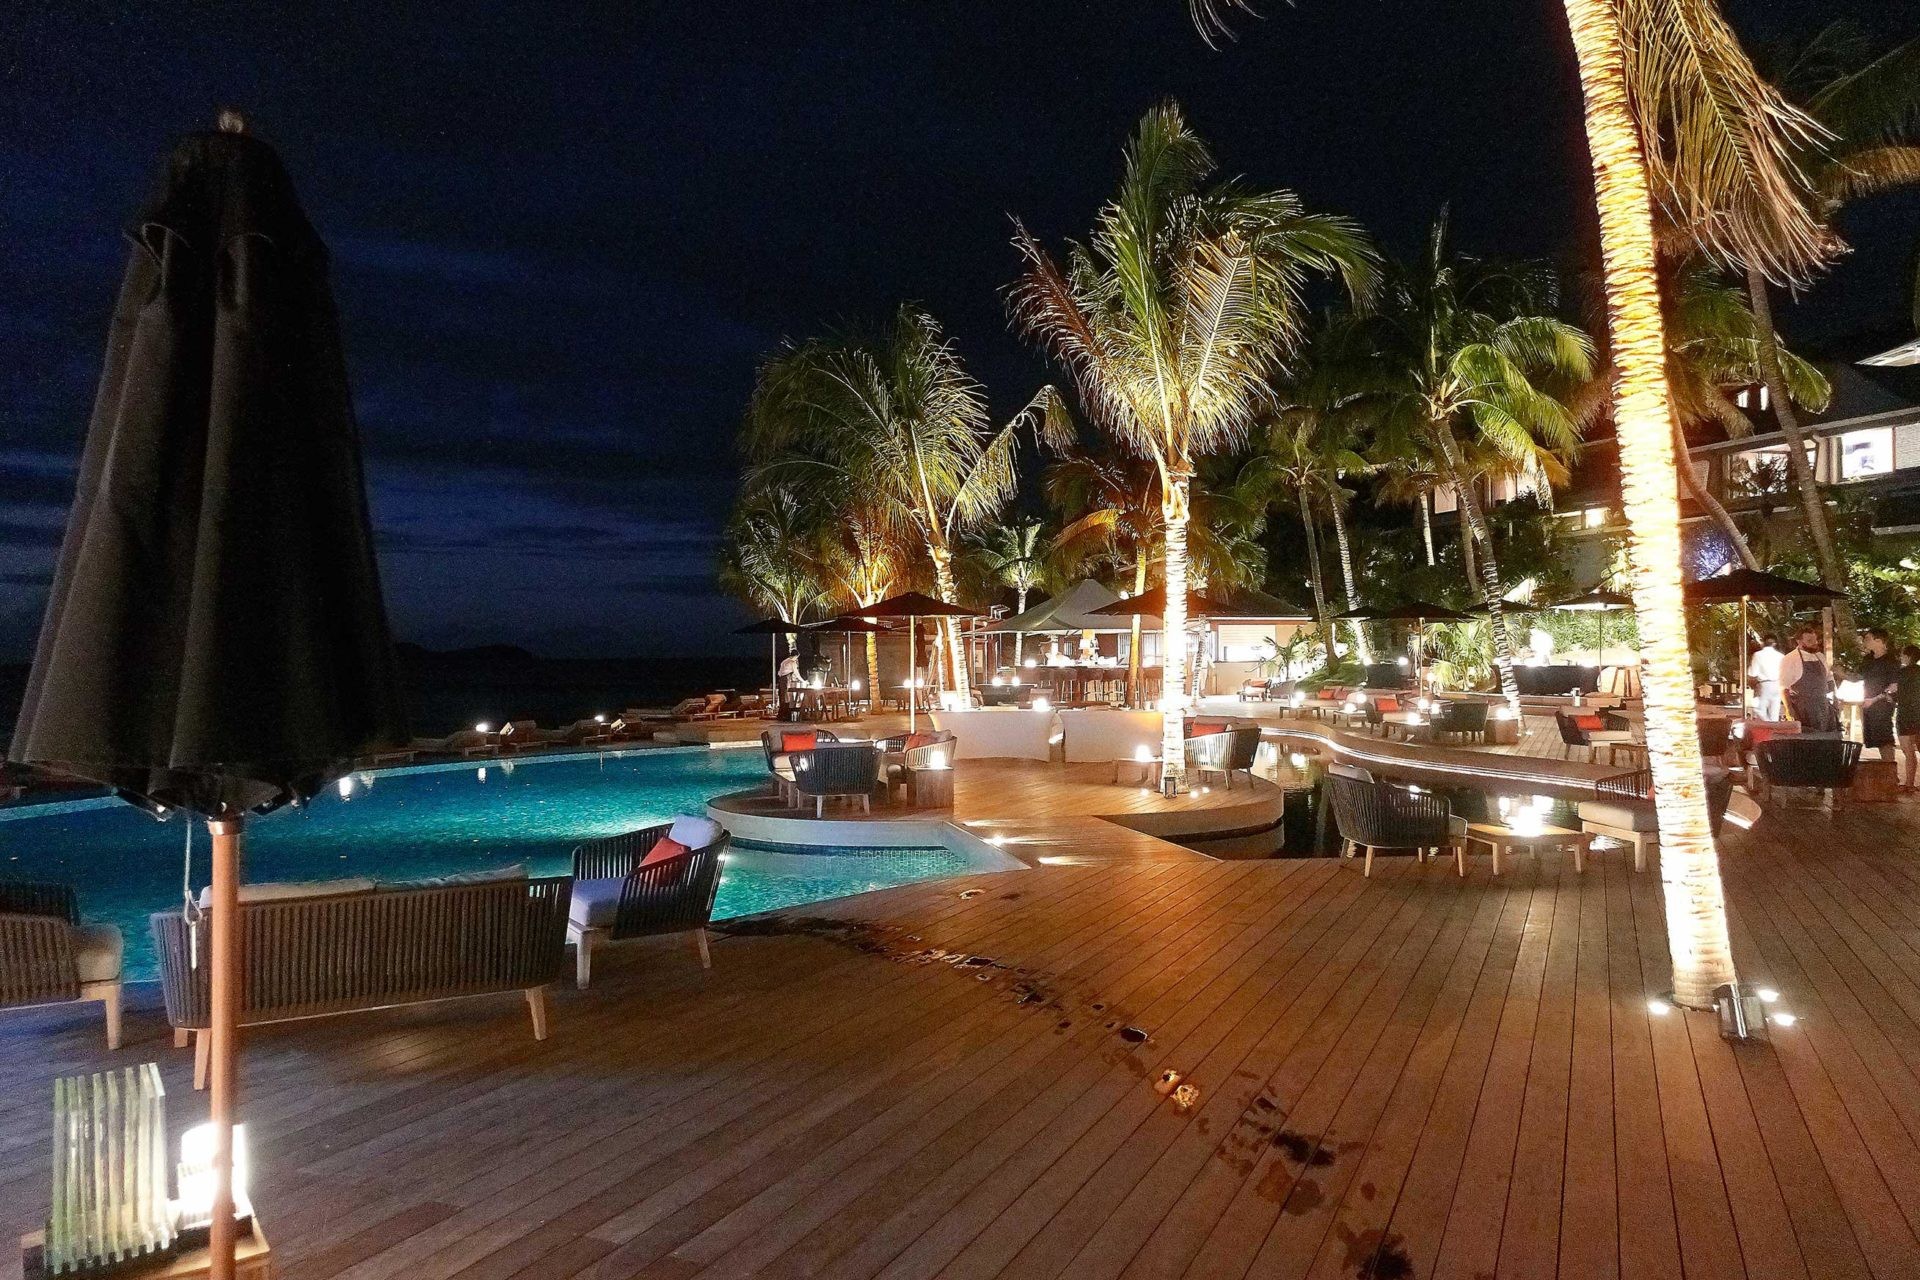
<point x="403" y="824"/>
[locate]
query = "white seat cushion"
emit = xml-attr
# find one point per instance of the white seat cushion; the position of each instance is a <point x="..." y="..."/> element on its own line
<point x="97" y="949"/>
<point x="1621" y="817"/>
<point x="694" y="832"/>
<point x="595" y="903"/>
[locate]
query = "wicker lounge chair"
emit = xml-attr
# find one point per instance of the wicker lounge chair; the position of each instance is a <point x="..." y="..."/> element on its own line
<point x="836" y="770"/>
<point x="1230" y="751"/>
<point x="779" y="759"/>
<point x="1374" y="815"/>
<point x="521" y="735"/>
<point x="1589" y="730"/>
<point x="1622" y="808"/>
<point x="1460" y="718"/>
<point x="615" y="898"/>
<point x="366" y="948"/>
<point x="48" y="956"/>
<point x="1378" y="707"/>
<point x="1808" y="760"/>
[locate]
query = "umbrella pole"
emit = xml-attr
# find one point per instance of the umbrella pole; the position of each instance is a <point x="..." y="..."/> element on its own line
<point x="222" y="1074"/>
<point x="913" y="694"/>
<point x="1744" y="691"/>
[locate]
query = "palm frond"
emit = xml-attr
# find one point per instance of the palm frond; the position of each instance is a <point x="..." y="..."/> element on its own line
<point x="1867" y="171"/>
<point x="1723" y="147"/>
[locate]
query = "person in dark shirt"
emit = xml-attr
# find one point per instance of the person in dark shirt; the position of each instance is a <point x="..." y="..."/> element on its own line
<point x="1906" y="713"/>
<point x="1880" y="684"/>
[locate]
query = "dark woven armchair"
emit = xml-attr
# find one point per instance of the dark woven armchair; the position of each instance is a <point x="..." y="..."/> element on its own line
<point x="1803" y="760"/>
<point x="1226" y="753"/>
<point x="836" y="770"/>
<point x="779" y="761"/>
<point x="47" y="956"/>
<point x="1460" y="718"/>
<point x="1374" y="815"/>
<point x="616" y="899"/>
<point x="1577" y="730"/>
<point x="1377" y="708"/>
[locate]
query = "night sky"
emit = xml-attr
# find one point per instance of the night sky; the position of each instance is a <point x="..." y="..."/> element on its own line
<point x="564" y="233"/>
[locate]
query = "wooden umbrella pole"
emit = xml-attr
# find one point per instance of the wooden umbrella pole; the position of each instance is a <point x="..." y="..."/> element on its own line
<point x="222" y="1073"/>
<point x="1745" y="684"/>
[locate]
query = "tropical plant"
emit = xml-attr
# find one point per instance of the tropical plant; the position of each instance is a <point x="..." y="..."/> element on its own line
<point x="1470" y="358"/>
<point x="864" y="550"/>
<point x="768" y="554"/>
<point x="1764" y="198"/>
<point x="1016" y="555"/>
<point x="1171" y="317"/>
<point x="898" y="419"/>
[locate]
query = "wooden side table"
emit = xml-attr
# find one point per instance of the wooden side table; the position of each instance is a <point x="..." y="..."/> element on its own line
<point x="933" y="788"/>
<point x="1502" y="733"/>
<point x="1138" y="773"/>
<point x="1501" y="839"/>
<point x="1634" y="753"/>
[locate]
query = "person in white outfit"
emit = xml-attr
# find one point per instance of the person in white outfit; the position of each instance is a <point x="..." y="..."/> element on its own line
<point x="1763" y="673"/>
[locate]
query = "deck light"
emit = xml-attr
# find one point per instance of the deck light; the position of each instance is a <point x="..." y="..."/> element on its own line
<point x="1767" y="994"/>
<point x="600" y="719"/>
<point x="1782" y="1019"/>
<point x="1658" y="1008"/>
<point x="936" y="760"/>
<point x="1042" y="705"/>
<point x="1402" y="660"/>
<point x="483" y="727"/>
<point x="999" y="682"/>
<point x="345" y="786"/>
<point x="194" y="1208"/>
<point x="1143" y="754"/>
<point x="855" y="686"/>
<point x="1031" y="662"/>
<point x="1016" y="682"/>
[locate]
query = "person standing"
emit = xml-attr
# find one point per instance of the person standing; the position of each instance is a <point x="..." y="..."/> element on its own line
<point x="1880" y="682"/>
<point x="1763" y="674"/>
<point x="1906" y="714"/>
<point x="1806" y="681"/>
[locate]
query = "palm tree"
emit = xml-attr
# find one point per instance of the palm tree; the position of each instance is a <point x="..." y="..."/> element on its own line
<point x="1315" y="436"/>
<point x="898" y="419"/>
<point x="1016" y="556"/>
<point x="767" y="553"/>
<point x="1171" y="318"/>
<point x="1768" y="213"/>
<point x="1109" y="508"/>
<point x="1469" y="357"/>
<point x="864" y="550"/>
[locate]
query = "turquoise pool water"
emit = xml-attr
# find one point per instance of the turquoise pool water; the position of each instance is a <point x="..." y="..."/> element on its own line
<point x="435" y="820"/>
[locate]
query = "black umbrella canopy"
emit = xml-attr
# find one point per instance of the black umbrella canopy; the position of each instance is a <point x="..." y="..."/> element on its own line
<point x="912" y="604"/>
<point x="769" y="627"/>
<point x="1752" y="584"/>
<point x="1412" y="611"/>
<point x="1597" y="600"/>
<point x="1152" y="603"/>
<point x="849" y="624"/>
<point x="215" y="638"/>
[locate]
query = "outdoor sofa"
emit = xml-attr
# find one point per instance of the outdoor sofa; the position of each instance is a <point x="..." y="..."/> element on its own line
<point x="47" y="955"/>
<point x="621" y="890"/>
<point x="313" y="949"/>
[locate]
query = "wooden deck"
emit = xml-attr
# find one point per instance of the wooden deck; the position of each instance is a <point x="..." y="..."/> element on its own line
<point x="1409" y="1076"/>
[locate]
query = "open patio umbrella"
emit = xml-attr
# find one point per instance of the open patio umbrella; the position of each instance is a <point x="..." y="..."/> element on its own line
<point x="1419" y="613"/>
<point x="215" y="639"/>
<point x="913" y="606"/>
<point x="1744" y="585"/>
<point x="1600" y="601"/>
<point x="772" y="629"/>
<point x="1152" y="603"/>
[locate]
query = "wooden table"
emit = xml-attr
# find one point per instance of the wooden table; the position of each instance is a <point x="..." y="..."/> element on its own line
<point x="1634" y="752"/>
<point x="1501" y="839"/>
<point x="933" y="788"/>
<point x="1139" y="773"/>
<point x="1412" y="726"/>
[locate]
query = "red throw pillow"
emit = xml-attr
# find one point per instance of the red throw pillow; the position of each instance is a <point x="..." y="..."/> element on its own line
<point x="791" y="742"/>
<point x="1387" y="704"/>
<point x="918" y="740"/>
<point x="663" y="848"/>
<point x="1205" y="728"/>
<point x="1590" y="723"/>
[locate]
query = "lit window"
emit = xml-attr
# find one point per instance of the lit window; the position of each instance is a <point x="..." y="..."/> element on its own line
<point x="1866" y="453"/>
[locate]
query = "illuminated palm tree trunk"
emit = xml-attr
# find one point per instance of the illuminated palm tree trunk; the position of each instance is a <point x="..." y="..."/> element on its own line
<point x="1710" y="504"/>
<point x="873" y="668"/>
<point x="1346" y="574"/>
<point x="1019" y="637"/>
<point x="1426" y="525"/>
<point x="1313" y="577"/>
<point x="1643" y="418"/>
<point x="950" y="627"/>
<point x="1175" y="512"/>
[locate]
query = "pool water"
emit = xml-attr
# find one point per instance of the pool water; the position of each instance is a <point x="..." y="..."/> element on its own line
<point x="435" y="820"/>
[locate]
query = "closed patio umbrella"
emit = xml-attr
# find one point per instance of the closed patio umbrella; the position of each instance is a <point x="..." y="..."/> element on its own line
<point x="215" y="639"/>
<point x="846" y="626"/>
<point x="772" y="629"/>
<point x="913" y="605"/>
